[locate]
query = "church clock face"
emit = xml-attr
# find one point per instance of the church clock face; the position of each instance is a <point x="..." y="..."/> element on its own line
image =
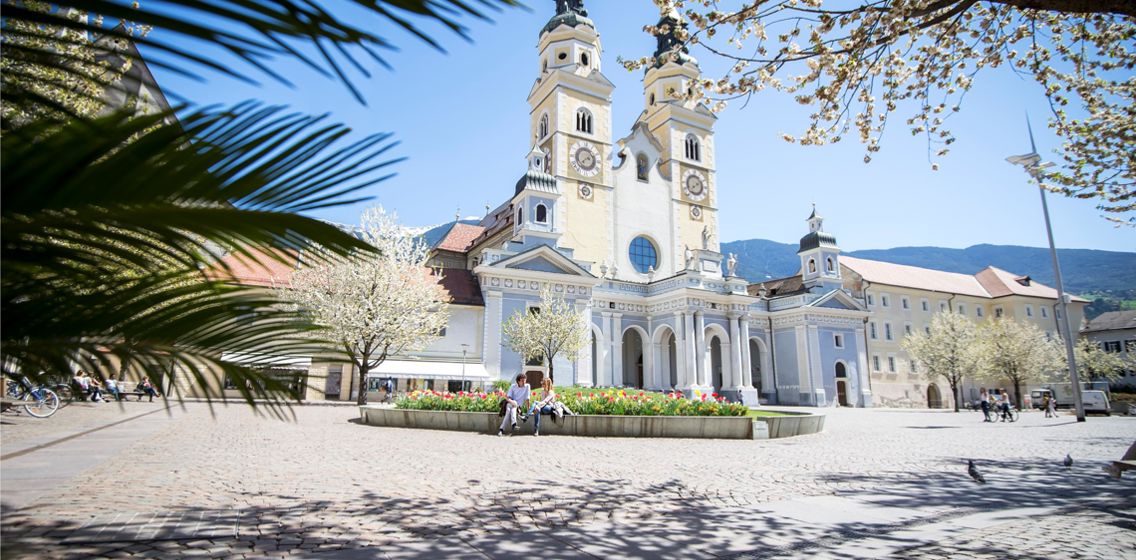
<point x="694" y="185"/>
<point x="585" y="159"/>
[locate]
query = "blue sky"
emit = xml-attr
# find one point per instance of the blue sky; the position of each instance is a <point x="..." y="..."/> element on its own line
<point x="462" y="119"/>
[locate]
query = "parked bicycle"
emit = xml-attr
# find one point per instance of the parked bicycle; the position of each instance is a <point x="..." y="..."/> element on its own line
<point x="39" y="401"/>
<point x="1009" y="415"/>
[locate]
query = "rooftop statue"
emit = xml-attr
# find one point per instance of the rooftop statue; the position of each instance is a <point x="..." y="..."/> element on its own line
<point x="575" y="6"/>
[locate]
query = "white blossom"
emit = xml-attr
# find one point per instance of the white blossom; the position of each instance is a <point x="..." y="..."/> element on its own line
<point x="552" y="329"/>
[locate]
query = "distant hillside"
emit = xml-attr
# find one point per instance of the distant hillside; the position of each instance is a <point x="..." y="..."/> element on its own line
<point x="1106" y="275"/>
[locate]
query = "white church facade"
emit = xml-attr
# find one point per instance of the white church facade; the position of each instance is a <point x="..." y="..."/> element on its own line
<point x="627" y="230"/>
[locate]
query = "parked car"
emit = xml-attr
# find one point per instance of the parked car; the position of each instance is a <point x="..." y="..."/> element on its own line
<point x="1096" y="401"/>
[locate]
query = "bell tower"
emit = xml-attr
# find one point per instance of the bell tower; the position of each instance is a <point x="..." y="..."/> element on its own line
<point x="820" y="256"/>
<point x="685" y="128"/>
<point x="570" y="115"/>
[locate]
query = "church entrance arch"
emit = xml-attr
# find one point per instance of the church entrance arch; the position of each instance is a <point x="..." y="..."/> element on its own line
<point x="934" y="397"/>
<point x="717" y="361"/>
<point x="598" y="356"/>
<point x="755" y="358"/>
<point x="666" y="357"/>
<point x="634" y="342"/>
<point x="841" y="384"/>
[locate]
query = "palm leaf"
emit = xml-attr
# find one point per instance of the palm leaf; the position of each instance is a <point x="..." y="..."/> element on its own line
<point x="258" y="31"/>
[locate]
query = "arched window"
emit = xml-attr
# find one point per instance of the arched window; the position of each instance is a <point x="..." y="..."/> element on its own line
<point x="583" y="59"/>
<point x="812" y="266"/>
<point x="652" y="99"/>
<point x="693" y="148"/>
<point x="547" y="160"/>
<point x="541" y="214"/>
<point x="830" y="266"/>
<point x="584" y="121"/>
<point x="520" y="216"/>
<point x="542" y="130"/>
<point x="641" y="169"/>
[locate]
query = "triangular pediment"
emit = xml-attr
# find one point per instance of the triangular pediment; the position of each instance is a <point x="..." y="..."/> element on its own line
<point x="543" y="259"/>
<point x="838" y="299"/>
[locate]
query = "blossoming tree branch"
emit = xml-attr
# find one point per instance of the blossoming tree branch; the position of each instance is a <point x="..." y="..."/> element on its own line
<point x="857" y="63"/>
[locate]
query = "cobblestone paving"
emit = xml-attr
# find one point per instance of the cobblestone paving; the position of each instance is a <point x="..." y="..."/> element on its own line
<point x="233" y="484"/>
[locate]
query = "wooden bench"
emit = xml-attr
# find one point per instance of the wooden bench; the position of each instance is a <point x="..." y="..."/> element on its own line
<point x="1125" y="463"/>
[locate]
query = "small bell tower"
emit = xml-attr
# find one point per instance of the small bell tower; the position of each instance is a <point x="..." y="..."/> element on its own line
<point x="820" y="256"/>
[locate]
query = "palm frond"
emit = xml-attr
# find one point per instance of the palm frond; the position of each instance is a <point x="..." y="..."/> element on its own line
<point x="259" y="31"/>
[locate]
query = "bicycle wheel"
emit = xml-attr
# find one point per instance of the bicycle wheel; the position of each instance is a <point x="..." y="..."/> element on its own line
<point x="1014" y="415"/>
<point x="41" y="402"/>
<point x="64" y="392"/>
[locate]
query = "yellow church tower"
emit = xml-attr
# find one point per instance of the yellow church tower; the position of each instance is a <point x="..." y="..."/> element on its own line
<point x="571" y="124"/>
<point x="685" y="129"/>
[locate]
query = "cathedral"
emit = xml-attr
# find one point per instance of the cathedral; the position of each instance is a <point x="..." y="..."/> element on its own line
<point x="627" y="231"/>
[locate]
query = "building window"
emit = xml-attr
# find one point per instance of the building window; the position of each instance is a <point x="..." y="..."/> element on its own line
<point x="926" y="304"/>
<point x="927" y="329"/>
<point x="838" y="340"/>
<point x="442" y="332"/>
<point x="541" y="214"/>
<point x="1045" y="312"/>
<point x="875" y="363"/>
<point x="651" y="100"/>
<point x="812" y="266"/>
<point x="693" y="148"/>
<point x="872" y="330"/>
<point x="998" y="312"/>
<point x="943" y="306"/>
<point x="829" y="265"/>
<point x="891" y="364"/>
<point x="643" y="254"/>
<point x="905" y="303"/>
<point x="520" y="216"/>
<point x="871" y="301"/>
<point x="1057" y="313"/>
<point x="1130" y="346"/>
<point x="914" y="368"/>
<point x="584" y="121"/>
<point x="1112" y="347"/>
<point x="1029" y="310"/>
<point x="962" y="309"/>
<point x="907" y="328"/>
<point x="542" y="131"/>
<point x="641" y="166"/>
<point x="884" y="300"/>
<point x="978" y="311"/>
<point x="584" y="59"/>
<point x="887" y="331"/>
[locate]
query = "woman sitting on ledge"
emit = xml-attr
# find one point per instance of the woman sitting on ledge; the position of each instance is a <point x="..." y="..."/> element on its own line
<point x="548" y="405"/>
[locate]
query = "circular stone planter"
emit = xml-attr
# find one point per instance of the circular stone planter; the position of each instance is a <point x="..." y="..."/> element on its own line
<point x="716" y="427"/>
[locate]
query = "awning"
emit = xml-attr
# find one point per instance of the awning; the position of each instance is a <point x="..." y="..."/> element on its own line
<point x="422" y="369"/>
<point x="267" y="361"/>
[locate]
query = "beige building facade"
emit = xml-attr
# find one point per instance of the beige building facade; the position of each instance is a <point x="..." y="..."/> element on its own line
<point x="903" y="299"/>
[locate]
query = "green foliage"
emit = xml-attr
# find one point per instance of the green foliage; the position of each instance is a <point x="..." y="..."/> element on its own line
<point x="502" y="385"/>
<point x="612" y="402"/>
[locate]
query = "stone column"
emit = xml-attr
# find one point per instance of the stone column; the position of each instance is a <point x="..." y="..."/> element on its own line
<point x="736" y="376"/>
<point x="816" y="368"/>
<point x="747" y="359"/>
<point x="617" y="349"/>
<point x="492" y="348"/>
<point x="584" y="356"/>
<point x="701" y="367"/>
<point x="605" y="372"/>
<point x="690" y="352"/>
<point x="862" y="362"/>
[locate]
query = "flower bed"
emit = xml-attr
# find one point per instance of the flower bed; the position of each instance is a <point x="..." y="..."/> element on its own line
<point x="603" y="402"/>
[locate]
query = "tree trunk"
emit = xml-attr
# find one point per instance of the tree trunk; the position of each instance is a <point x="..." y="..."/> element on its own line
<point x="1018" y="393"/>
<point x="364" y="368"/>
<point x="955" y="394"/>
<point x="550" y="378"/>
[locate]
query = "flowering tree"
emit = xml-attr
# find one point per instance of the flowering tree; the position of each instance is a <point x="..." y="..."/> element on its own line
<point x="1097" y="363"/>
<point x="1018" y="352"/>
<point x="547" y="331"/>
<point x="375" y="305"/>
<point x="949" y="351"/>
<point x="857" y="63"/>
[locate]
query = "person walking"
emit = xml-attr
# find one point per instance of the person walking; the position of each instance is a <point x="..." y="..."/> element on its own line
<point x="984" y="404"/>
<point x="1051" y="407"/>
<point x="515" y="398"/>
<point x="1005" y="398"/>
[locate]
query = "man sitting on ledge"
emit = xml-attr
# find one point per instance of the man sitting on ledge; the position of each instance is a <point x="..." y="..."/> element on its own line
<point x="518" y="394"/>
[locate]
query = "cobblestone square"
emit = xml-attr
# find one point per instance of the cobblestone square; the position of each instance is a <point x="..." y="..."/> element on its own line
<point x="141" y="480"/>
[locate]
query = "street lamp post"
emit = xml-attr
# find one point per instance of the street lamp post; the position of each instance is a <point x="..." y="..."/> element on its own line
<point x="465" y="348"/>
<point x="1033" y="165"/>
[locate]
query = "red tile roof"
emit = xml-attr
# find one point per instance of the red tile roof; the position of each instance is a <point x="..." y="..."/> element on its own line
<point x="460" y="237"/>
<point x="258" y="268"/>
<point x="462" y="286"/>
